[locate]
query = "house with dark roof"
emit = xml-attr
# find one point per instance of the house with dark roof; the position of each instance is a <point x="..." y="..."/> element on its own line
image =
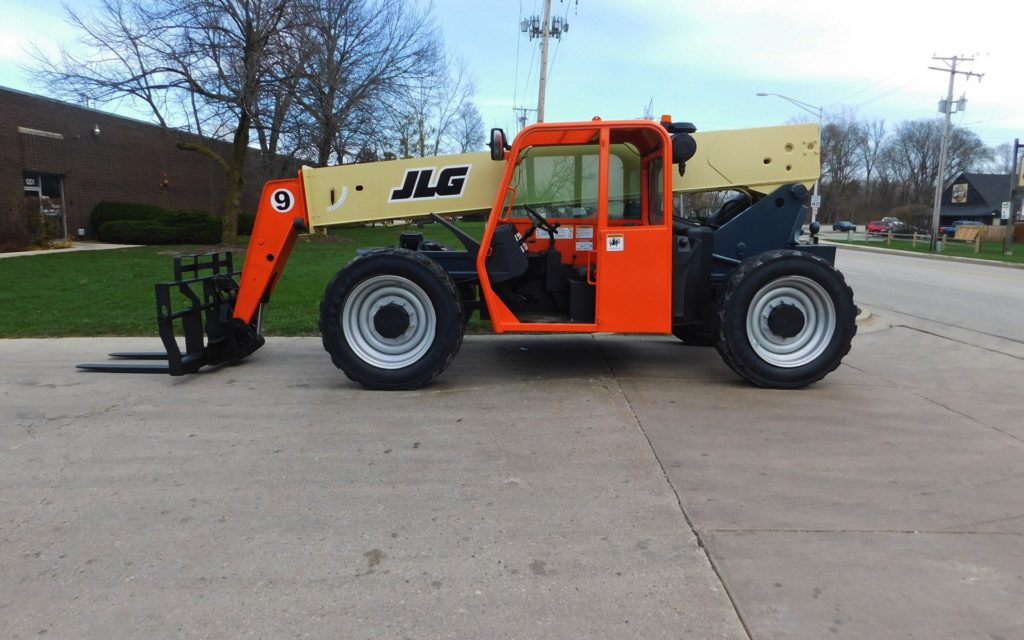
<point x="974" y="196"/>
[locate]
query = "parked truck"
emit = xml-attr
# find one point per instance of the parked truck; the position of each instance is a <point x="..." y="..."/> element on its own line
<point x="583" y="234"/>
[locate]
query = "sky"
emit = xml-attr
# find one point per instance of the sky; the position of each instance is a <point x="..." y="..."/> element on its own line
<point x="702" y="62"/>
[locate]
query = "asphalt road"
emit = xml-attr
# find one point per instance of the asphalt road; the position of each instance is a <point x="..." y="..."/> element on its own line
<point x="980" y="298"/>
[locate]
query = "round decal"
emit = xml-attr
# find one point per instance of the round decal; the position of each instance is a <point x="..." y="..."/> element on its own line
<point x="282" y="200"/>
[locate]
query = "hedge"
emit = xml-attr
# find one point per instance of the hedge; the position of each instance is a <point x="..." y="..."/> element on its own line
<point x="157" y="232"/>
<point x="108" y="211"/>
<point x="129" y="223"/>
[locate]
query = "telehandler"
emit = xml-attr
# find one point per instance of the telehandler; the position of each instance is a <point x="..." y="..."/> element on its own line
<point x="581" y="236"/>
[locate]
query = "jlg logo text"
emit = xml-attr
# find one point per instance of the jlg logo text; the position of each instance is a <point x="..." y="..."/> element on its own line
<point x="450" y="183"/>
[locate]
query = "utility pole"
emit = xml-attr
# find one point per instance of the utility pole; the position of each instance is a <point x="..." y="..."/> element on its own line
<point x="545" y="29"/>
<point x="946" y="107"/>
<point x="521" y="115"/>
<point x="544" y="60"/>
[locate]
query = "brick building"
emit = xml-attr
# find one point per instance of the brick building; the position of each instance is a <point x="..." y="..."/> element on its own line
<point x="69" y="158"/>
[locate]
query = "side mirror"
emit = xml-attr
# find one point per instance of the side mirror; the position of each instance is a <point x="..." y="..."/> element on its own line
<point x="684" y="147"/>
<point x="498" y="144"/>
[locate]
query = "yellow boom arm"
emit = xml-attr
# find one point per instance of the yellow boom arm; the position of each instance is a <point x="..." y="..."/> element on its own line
<point x="759" y="160"/>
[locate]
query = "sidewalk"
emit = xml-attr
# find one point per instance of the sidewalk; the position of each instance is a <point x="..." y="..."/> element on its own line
<point x="78" y="246"/>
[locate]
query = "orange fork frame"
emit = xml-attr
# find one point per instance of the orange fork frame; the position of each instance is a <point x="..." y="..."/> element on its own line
<point x="280" y="219"/>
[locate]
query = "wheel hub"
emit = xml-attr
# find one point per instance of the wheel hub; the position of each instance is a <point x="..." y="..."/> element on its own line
<point x="791" y="321"/>
<point x="388" y="321"/>
<point x="391" y="320"/>
<point x="786" y="320"/>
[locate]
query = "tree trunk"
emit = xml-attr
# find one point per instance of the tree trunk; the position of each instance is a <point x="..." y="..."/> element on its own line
<point x="236" y="180"/>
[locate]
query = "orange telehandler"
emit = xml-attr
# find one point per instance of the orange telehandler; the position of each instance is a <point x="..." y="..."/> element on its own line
<point x="582" y="235"/>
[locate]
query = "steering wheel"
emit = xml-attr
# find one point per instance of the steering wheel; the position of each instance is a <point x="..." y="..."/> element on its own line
<point x="541" y="222"/>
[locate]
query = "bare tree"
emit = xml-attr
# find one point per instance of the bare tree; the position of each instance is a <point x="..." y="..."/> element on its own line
<point x="912" y="158"/>
<point x="870" y="151"/>
<point x="364" y="55"/>
<point x="1001" y="160"/>
<point x="468" y="130"/>
<point x="198" y="65"/>
<point x="841" y="139"/>
<point x="439" y="116"/>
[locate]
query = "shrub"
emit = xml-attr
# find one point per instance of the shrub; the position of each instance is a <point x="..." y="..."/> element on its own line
<point x="108" y="211"/>
<point x="27" y="227"/>
<point x="245" y="224"/>
<point x="147" y="224"/>
<point x="139" y="232"/>
<point x="14" y="234"/>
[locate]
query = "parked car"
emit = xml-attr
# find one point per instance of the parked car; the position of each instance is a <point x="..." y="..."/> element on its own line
<point x="877" y="227"/>
<point x="949" y="230"/>
<point x="844" y="225"/>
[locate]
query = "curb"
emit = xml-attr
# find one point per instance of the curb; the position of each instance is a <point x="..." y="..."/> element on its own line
<point x="926" y="256"/>
<point x="863" y="316"/>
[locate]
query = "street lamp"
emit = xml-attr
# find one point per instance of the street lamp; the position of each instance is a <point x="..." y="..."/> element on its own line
<point x="810" y="108"/>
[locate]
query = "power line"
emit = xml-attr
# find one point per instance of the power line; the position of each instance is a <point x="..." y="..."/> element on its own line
<point x="887" y="93"/>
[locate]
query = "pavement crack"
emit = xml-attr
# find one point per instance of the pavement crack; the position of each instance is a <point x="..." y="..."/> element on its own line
<point x="969" y="417"/>
<point x="675" y="492"/>
<point x="895" y="323"/>
<point x="981" y="522"/>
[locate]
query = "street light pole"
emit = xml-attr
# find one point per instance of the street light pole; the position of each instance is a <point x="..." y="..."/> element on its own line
<point x="818" y="111"/>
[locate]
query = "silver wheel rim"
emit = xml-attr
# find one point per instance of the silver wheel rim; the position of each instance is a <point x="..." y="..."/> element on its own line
<point x="812" y="300"/>
<point x="362" y="305"/>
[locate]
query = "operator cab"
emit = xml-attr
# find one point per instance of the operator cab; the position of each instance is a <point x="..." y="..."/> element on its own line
<point x="579" y="239"/>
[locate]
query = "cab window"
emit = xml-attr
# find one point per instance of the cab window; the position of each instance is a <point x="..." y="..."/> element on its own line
<point x="562" y="181"/>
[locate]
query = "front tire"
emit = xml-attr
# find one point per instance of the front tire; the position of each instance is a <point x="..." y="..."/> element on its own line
<point x="392" y="319"/>
<point x="786" y="319"/>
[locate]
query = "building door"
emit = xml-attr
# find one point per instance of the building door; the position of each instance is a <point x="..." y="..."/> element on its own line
<point x="46" y="190"/>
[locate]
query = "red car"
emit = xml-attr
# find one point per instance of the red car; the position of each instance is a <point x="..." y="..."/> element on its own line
<point x="877" y="227"/>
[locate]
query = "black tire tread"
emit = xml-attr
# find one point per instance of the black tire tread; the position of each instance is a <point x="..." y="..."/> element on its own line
<point x="331" y="306"/>
<point x="730" y="289"/>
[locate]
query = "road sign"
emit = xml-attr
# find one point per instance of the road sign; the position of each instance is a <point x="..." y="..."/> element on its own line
<point x="815" y="201"/>
<point x="1005" y="213"/>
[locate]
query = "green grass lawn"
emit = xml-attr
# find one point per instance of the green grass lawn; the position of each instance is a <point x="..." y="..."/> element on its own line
<point x="989" y="250"/>
<point x="110" y="293"/>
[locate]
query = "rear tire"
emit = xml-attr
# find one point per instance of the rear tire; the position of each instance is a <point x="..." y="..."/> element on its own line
<point x="786" y="319"/>
<point x="392" y="319"/>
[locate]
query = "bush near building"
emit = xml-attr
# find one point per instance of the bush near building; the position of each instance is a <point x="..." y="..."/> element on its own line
<point x="129" y="223"/>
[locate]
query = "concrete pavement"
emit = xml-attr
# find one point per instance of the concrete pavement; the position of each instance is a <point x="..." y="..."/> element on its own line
<point x="545" y="487"/>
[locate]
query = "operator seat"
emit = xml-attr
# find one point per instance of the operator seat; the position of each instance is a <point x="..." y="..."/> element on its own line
<point x="729" y="210"/>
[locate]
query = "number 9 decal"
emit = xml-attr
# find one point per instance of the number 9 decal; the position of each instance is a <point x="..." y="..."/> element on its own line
<point x="282" y="200"/>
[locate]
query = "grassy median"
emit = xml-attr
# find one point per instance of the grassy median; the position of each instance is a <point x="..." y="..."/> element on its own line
<point x="989" y="250"/>
<point x="110" y="293"/>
